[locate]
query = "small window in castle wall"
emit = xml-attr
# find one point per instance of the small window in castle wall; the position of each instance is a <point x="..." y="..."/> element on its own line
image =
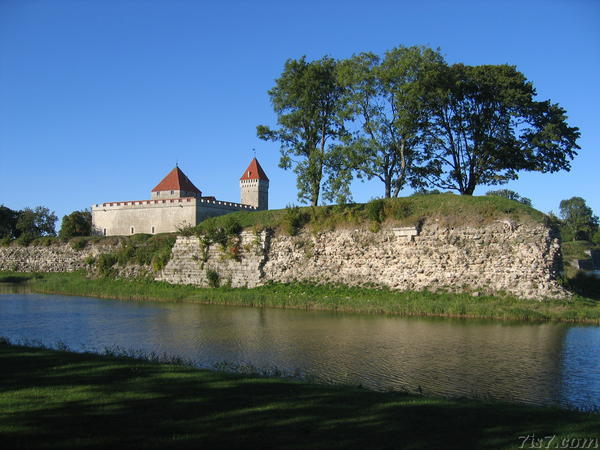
<point x="104" y="231"/>
<point x="152" y="230"/>
<point x="131" y="230"/>
<point x="172" y="192"/>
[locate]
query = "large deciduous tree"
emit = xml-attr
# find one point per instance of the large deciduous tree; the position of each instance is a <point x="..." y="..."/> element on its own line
<point x="78" y="223"/>
<point x="484" y="126"/>
<point x="579" y="221"/>
<point x="36" y="222"/>
<point x="308" y="101"/>
<point x="383" y="97"/>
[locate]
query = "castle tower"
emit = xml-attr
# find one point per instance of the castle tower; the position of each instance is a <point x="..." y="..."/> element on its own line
<point x="254" y="186"/>
<point x="175" y="185"/>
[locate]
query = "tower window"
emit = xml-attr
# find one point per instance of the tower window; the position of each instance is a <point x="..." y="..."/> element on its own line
<point x="104" y="231"/>
<point x="152" y="230"/>
<point x="131" y="230"/>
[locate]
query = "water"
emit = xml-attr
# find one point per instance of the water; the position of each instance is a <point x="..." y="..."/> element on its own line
<point x="533" y="363"/>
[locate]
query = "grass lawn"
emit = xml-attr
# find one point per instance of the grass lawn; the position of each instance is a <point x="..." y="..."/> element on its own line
<point x="305" y="296"/>
<point x="54" y="399"/>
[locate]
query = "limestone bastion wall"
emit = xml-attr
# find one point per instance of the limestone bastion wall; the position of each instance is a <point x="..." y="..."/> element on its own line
<point x="522" y="260"/>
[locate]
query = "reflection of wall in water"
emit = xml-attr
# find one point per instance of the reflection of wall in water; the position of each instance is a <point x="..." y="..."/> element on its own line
<point x="498" y="359"/>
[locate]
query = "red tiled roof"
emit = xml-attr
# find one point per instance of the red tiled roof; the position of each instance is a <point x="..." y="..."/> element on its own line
<point x="176" y="180"/>
<point x="254" y="172"/>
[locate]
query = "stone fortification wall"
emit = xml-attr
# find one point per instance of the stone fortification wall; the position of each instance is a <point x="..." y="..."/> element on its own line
<point x="157" y="215"/>
<point x="522" y="260"/>
<point x="213" y="208"/>
<point x="53" y="258"/>
<point x="143" y="216"/>
<point x="239" y="264"/>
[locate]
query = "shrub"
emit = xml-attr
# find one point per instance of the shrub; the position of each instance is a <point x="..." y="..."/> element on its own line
<point x="213" y="278"/>
<point x="375" y="210"/>
<point x="24" y="240"/>
<point x="78" y="244"/>
<point x="161" y="258"/>
<point x="5" y="242"/>
<point x="89" y="260"/>
<point x="400" y="209"/>
<point x="78" y="223"/>
<point x="105" y="263"/>
<point x="294" y="219"/>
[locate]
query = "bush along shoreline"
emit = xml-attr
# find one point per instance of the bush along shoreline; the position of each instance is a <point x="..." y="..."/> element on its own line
<point x="52" y="396"/>
<point x="317" y="297"/>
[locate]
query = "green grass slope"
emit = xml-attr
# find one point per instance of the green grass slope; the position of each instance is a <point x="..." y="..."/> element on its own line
<point x="60" y="400"/>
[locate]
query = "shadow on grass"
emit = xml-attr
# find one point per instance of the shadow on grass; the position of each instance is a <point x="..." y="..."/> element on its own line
<point x="585" y="285"/>
<point x="63" y="400"/>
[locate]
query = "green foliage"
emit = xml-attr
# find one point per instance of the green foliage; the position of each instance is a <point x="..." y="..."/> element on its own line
<point x="375" y="210"/>
<point x="447" y="208"/>
<point x="90" y="260"/>
<point x="78" y="244"/>
<point x="384" y="98"/>
<point x="213" y="278"/>
<point x="8" y="222"/>
<point x="579" y="221"/>
<point x="512" y="195"/>
<point x="596" y="237"/>
<point x="105" y="263"/>
<point x="36" y="222"/>
<point x="25" y="239"/>
<point x="294" y="220"/>
<point x="219" y="231"/>
<point x="78" y="223"/>
<point x="308" y="101"/>
<point x="483" y="126"/>
<point x="5" y="241"/>
<point x="146" y="249"/>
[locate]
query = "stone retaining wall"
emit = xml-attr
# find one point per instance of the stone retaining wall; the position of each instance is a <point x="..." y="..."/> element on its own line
<point x="522" y="260"/>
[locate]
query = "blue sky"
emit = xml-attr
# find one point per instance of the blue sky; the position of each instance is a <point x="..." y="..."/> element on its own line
<point x="99" y="99"/>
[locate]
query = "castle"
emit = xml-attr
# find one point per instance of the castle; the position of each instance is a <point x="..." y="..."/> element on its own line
<point x="176" y="203"/>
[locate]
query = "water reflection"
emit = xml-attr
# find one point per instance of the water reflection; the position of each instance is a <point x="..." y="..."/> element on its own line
<point x="542" y="363"/>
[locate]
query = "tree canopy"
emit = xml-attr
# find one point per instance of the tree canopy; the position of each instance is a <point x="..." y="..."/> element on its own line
<point x="36" y="222"/>
<point x="484" y="126"/>
<point x="308" y="102"/>
<point x="579" y="221"/>
<point x="383" y="97"/>
<point x="409" y="118"/>
<point x="512" y="195"/>
<point x="78" y="223"/>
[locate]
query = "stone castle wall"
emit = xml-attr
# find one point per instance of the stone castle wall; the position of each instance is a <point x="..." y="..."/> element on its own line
<point x="157" y="216"/>
<point x="523" y="261"/>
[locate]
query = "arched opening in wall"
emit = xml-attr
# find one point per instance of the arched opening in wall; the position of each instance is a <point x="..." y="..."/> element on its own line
<point x="152" y="229"/>
<point x="132" y="230"/>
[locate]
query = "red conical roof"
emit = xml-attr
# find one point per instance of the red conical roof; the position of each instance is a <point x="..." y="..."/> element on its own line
<point x="254" y="172"/>
<point x="176" y="180"/>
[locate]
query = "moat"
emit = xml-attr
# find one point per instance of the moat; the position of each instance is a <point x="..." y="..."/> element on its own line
<point x="546" y="363"/>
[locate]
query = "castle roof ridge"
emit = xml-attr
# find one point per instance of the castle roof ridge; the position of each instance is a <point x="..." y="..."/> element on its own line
<point x="176" y="180"/>
<point x="254" y="172"/>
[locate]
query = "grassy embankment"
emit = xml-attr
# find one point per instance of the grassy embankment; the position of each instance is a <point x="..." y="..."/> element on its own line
<point x="304" y="296"/>
<point x="57" y="399"/>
